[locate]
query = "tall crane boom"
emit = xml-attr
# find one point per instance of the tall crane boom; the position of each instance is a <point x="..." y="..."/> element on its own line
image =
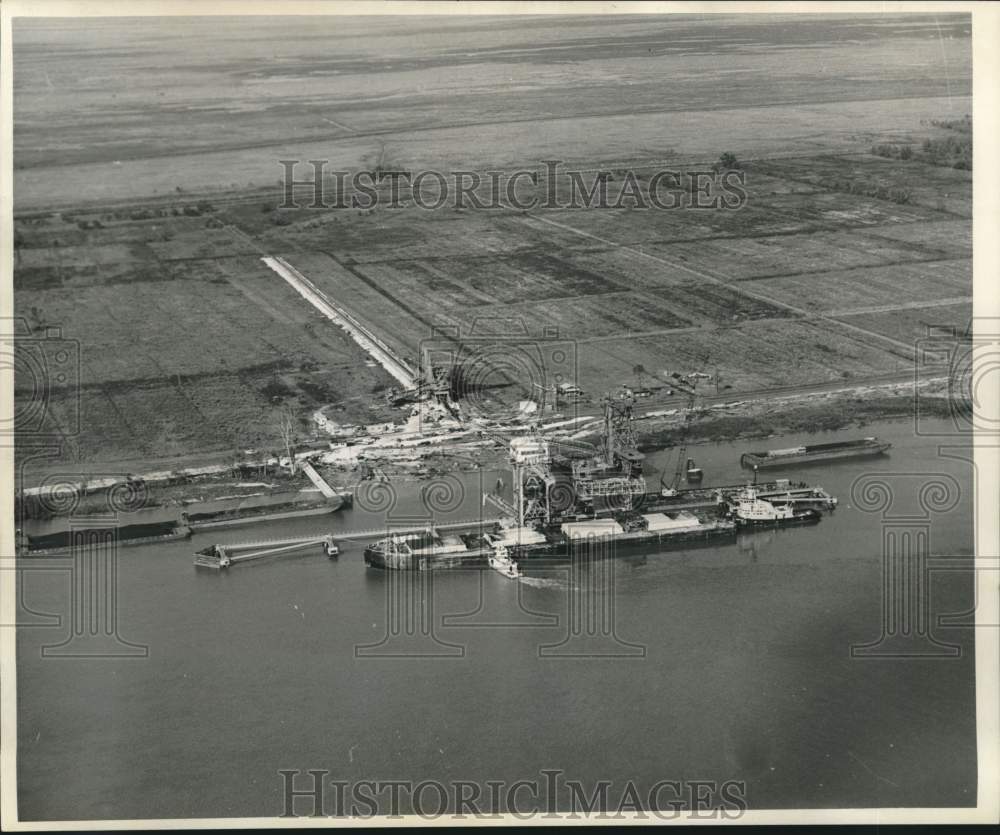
<point x="692" y="396"/>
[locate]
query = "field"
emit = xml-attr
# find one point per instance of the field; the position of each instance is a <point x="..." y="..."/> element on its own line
<point x="761" y="293"/>
<point x="181" y="350"/>
<point x="142" y="210"/>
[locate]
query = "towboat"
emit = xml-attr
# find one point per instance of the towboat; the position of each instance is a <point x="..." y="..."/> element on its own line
<point x="501" y="562"/>
<point x="749" y="510"/>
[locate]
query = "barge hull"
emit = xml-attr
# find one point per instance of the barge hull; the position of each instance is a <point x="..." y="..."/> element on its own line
<point x="809" y="456"/>
<point x="557" y="552"/>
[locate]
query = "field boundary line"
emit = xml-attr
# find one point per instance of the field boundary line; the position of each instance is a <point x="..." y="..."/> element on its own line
<point x="890" y="308"/>
<point x="736" y="288"/>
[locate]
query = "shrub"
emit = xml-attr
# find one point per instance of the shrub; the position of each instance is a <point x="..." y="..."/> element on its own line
<point x="727" y="162"/>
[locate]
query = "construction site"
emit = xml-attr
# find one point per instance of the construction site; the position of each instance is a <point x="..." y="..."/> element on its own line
<point x="556" y="494"/>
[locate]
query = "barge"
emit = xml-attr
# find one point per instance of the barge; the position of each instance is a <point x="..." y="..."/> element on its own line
<point x="542" y="546"/>
<point x="781" y="490"/>
<point x="255" y="514"/>
<point x="810" y="453"/>
<point x="63" y="542"/>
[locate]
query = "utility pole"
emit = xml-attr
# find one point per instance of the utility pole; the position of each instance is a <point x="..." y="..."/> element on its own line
<point x="286" y="427"/>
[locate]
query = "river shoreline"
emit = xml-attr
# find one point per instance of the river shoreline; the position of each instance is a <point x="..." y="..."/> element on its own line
<point x="197" y="495"/>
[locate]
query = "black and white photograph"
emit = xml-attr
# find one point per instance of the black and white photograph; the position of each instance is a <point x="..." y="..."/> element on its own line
<point x="499" y="413"/>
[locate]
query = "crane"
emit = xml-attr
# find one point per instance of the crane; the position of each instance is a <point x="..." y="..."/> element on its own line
<point x="683" y="462"/>
<point x="569" y="448"/>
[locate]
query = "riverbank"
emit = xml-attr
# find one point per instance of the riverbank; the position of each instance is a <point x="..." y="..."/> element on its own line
<point x="245" y="488"/>
<point x="824" y="414"/>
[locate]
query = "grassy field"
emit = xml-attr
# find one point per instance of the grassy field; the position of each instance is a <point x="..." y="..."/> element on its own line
<point x="142" y="208"/>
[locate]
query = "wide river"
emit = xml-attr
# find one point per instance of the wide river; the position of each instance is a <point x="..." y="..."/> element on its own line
<point x="725" y="663"/>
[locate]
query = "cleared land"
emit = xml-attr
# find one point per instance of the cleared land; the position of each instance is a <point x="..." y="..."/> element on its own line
<point x="143" y="209"/>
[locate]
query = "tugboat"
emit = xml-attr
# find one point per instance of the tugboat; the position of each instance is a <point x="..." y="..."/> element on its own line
<point x="749" y="510"/>
<point x="501" y="561"/>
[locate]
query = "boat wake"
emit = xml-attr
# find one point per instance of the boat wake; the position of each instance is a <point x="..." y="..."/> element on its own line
<point x="544" y="582"/>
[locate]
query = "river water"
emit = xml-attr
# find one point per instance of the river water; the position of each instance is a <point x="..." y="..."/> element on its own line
<point x="722" y="663"/>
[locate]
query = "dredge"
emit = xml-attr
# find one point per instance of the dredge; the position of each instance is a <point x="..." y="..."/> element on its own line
<point x="600" y="500"/>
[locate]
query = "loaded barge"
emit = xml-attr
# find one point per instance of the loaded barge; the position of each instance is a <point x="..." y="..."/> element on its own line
<point x="508" y="543"/>
<point x="810" y="453"/>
